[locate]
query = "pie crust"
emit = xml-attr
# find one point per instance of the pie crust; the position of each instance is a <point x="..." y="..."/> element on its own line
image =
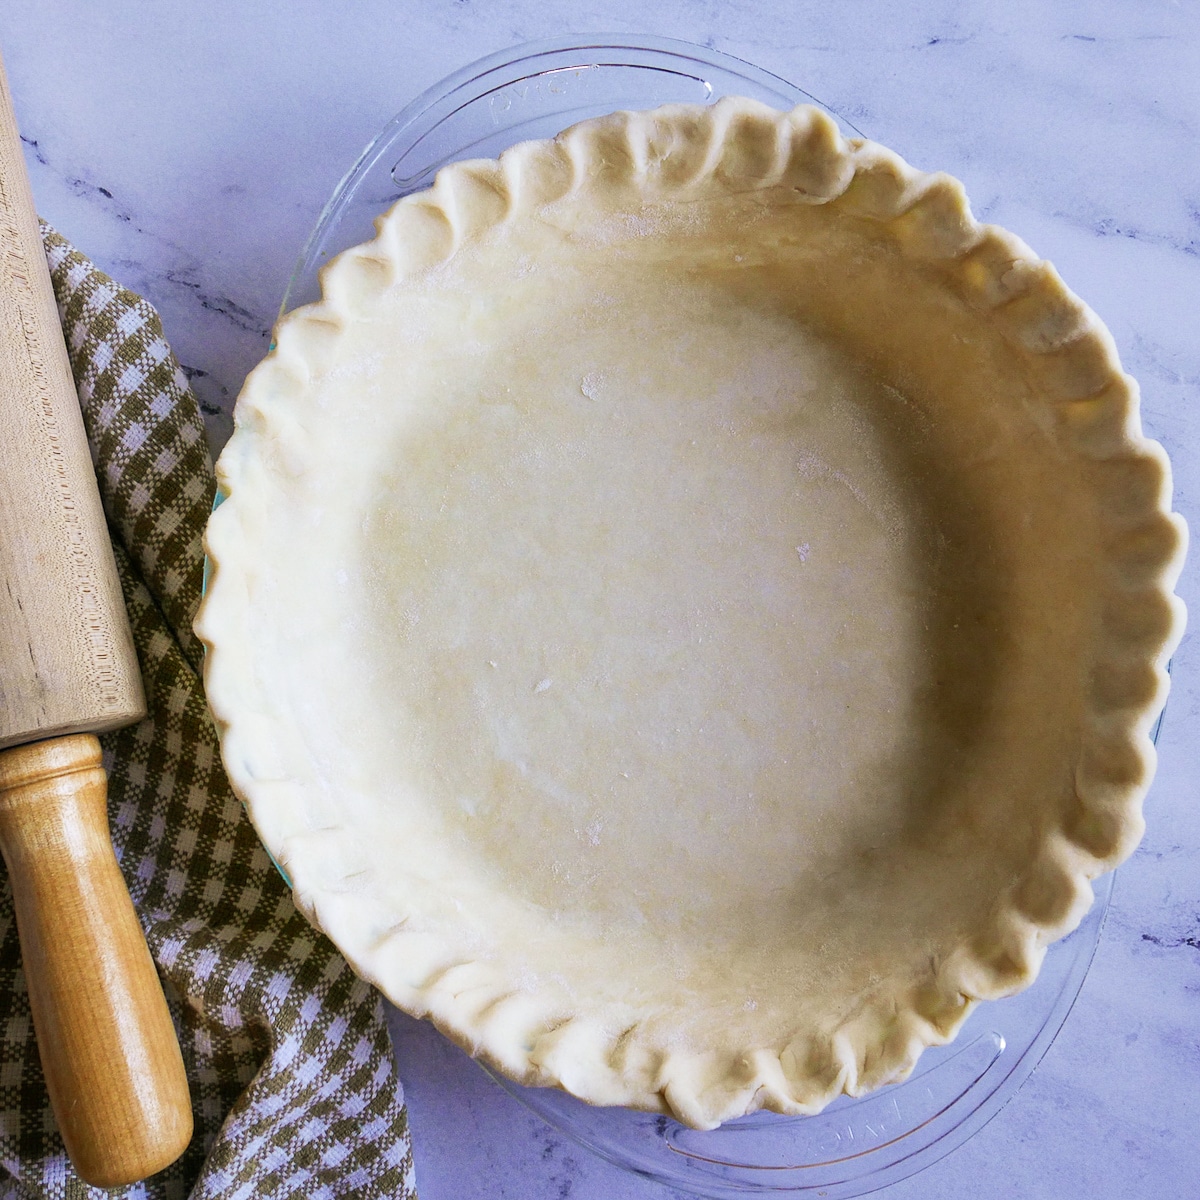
<point x="690" y="607"/>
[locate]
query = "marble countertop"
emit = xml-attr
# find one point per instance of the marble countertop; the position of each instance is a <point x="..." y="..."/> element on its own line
<point x="189" y="147"/>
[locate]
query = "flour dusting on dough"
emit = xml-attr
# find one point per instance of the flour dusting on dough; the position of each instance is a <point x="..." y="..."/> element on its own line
<point x="591" y="384"/>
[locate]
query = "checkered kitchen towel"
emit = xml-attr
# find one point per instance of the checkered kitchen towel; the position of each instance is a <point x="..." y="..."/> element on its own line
<point x="291" y="1071"/>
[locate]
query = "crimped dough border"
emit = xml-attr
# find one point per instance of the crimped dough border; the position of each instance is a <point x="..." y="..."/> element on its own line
<point x="742" y="145"/>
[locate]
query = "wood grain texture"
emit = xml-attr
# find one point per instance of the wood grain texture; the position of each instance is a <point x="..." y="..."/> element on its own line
<point x="113" y="1068"/>
<point x="67" y="661"/>
<point x="67" y="665"/>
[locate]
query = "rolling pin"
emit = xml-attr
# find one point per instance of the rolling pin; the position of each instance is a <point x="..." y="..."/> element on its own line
<point x="68" y="671"/>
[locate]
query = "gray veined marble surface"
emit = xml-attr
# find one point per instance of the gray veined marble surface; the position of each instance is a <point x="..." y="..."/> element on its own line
<point x="188" y="147"/>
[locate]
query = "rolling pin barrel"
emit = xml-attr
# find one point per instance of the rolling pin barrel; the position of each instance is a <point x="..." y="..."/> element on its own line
<point x="67" y="671"/>
<point x="67" y="663"/>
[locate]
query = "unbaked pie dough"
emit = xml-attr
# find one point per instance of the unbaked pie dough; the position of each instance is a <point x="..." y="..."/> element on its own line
<point x="689" y="609"/>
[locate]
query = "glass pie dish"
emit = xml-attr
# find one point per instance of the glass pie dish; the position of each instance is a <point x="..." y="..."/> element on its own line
<point x="854" y="1145"/>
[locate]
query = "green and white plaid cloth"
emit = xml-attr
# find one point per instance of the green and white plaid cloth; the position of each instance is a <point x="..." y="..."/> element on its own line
<point x="293" y="1084"/>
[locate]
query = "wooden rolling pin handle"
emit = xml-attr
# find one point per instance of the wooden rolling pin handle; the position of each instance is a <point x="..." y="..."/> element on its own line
<point x="112" y="1064"/>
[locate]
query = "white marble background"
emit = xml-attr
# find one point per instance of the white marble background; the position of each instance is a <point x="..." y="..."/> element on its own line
<point x="188" y="147"/>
